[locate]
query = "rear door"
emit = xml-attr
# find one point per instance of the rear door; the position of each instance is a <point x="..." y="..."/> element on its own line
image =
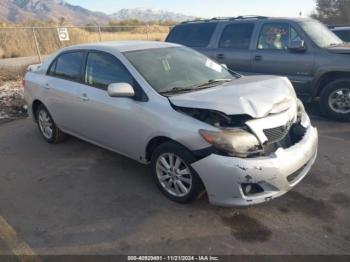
<point x="273" y="57"/>
<point x="62" y="86"/>
<point x="233" y="46"/>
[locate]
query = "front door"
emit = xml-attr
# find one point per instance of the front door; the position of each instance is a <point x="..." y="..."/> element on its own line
<point x="273" y="57"/>
<point x="112" y="122"/>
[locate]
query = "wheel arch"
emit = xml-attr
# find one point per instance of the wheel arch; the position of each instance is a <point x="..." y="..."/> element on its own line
<point x="154" y="143"/>
<point x="35" y="105"/>
<point x="158" y="140"/>
<point x="327" y="78"/>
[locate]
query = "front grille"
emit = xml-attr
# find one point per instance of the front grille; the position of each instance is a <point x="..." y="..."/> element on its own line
<point x="276" y="134"/>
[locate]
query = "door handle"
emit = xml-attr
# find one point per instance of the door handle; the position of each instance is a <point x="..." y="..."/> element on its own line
<point x="258" y="58"/>
<point x="47" y="86"/>
<point x="220" y="56"/>
<point x="84" y="97"/>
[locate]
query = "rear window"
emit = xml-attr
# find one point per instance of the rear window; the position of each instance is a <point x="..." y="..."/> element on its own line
<point x="67" y="66"/>
<point x="343" y="34"/>
<point x="192" y="35"/>
<point x="236" y="36"/>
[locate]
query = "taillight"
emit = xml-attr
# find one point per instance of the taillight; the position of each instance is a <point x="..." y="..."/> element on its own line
<point x="23" y="82"/>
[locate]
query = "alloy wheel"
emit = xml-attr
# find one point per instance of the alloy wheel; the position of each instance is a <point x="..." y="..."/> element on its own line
<point x="339" y="100"/>
<point x="173" y="174"/>
<point x="45" y="124"/>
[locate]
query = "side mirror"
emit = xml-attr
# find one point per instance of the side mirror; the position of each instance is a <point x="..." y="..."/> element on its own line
<point x="120" y="90"/>
<point x="297" y="46"/>
<point x="224" y="66"/>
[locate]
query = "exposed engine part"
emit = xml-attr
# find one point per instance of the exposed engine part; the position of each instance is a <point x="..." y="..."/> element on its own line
<point x="215" y="118"/>
<point x="293" y="136"/>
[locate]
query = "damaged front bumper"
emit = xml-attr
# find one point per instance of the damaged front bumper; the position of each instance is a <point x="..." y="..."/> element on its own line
<point x="226" y="178"/>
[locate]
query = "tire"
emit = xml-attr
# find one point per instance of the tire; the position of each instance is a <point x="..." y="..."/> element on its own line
<point x="46" y="123"/>
<point x="333" y="105"/>
<point x="191" y="181"/>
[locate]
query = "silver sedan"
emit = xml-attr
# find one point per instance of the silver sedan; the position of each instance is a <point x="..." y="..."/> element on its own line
<point x="241" y="139"/>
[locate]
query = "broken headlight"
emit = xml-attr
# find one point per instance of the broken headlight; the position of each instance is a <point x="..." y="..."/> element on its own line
<point x="234" y="141"/>
<point x="302" y="116"/>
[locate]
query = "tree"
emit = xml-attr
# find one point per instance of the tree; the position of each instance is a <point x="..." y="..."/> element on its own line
<point x="61" y="20"/>
<point x="332" y="12"/>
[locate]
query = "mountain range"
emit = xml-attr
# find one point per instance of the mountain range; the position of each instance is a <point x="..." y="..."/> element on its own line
<point x="16" y="11"/>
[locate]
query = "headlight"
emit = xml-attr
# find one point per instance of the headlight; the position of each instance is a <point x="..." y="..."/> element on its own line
<point x="302" y="116"/>
<point x="235" y="142"/>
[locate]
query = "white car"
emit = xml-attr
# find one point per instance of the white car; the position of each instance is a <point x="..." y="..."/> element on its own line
<point x="242" y="139"/>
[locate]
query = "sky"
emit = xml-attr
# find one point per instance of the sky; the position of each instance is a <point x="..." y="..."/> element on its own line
<point x="207" y="8"/>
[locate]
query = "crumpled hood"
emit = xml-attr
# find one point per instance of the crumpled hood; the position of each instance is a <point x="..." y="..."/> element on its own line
<point x="256" y="96"/>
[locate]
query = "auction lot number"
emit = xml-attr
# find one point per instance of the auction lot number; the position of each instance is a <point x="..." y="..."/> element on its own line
<point x="173" y="258"/>
<point x="63" y="34"/>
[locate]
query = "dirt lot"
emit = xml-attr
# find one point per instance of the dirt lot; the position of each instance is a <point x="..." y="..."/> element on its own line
<point x="76" y="198"/>
<point x="12" y="104"/>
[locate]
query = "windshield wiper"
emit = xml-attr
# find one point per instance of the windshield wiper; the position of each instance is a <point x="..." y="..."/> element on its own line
<point x="214" y="81"/>
<point x="208" y="84"/>
<point x="176" y="89"/>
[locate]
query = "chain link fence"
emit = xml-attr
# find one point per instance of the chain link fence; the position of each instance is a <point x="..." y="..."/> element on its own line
<point x="37" y="42"/>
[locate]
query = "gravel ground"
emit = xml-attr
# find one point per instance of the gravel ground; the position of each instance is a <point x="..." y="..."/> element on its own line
<point x="12" y="104"/>
<point x="76" y="198"/>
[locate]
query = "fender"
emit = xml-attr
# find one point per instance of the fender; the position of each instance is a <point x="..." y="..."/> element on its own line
<point x="323" y="73"/>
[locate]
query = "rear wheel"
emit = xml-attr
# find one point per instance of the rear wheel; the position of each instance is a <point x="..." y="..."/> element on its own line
<point x="173" y="173"/>
<point x="47" y="127"/>
<point x="335" y="99"/>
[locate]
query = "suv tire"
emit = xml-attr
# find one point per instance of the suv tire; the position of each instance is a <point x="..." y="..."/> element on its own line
<point x="173" y="174"/>
<point x="335" y="99"/>
<point x="47" y="127"/>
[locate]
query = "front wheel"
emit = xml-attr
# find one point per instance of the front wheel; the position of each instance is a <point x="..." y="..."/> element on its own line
<point x="172" y="171"/>
<point x="335" y="99"/>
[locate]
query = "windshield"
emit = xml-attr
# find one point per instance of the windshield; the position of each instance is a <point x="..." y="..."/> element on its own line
<point x="177" y="69"/>
<point x="320" y="34"/>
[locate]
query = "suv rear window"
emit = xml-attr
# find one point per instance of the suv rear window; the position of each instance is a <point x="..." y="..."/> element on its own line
<point x="236" y="36"/>
<point x="192" y="35"/>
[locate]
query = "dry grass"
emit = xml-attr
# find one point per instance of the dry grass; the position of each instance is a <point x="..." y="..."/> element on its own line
<point x="20" y="42"/>
<point x="11" y="74"/>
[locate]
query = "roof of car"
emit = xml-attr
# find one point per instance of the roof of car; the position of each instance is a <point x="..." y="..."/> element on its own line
<point x="245" y="18"/>
<point x="123" y="46"/>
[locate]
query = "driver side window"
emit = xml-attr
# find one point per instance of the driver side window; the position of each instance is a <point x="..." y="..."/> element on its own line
<point x="277" y="36"/>
<point x="103" y="69"/>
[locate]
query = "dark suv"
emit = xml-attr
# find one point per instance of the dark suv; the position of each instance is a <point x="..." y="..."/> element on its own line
<point x="315" y="60"/>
